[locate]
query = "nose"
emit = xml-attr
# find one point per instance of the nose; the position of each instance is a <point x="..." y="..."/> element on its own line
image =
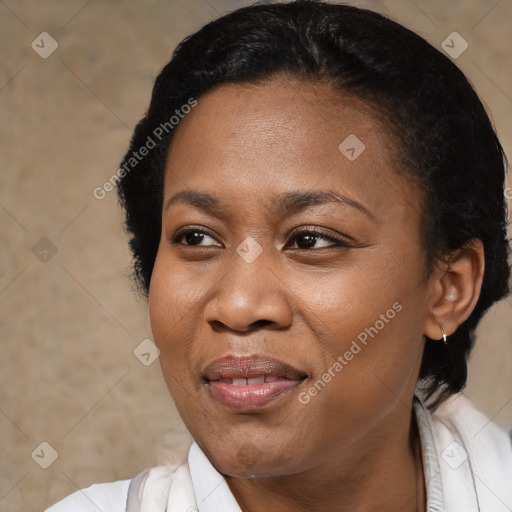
<point x="250" y="296"/>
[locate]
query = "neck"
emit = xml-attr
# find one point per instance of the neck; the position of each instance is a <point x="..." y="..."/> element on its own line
<point x="381" y="472"/>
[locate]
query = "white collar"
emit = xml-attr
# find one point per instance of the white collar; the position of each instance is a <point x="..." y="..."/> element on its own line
<point x="480" y="483"/>
<point x="213" y="494"/>
<point x="211" y="488"/>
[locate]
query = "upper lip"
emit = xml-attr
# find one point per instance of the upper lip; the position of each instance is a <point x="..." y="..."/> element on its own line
<point x="238" y="367"/>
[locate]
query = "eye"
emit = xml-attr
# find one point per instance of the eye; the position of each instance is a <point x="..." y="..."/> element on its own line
<point x="305" y="239"/>
<point x="194" y="237"/>
<point x="314" y="239"/>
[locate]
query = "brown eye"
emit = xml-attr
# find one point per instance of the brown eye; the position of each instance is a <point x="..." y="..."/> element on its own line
<point x="193" y="237"/>
<point x="317" y="240"/>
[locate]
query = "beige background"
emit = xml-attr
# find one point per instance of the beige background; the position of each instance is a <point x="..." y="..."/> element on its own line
<point x="69" y="325"/>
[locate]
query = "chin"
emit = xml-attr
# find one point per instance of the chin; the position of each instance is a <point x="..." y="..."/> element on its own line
<point x="250" y="461"/>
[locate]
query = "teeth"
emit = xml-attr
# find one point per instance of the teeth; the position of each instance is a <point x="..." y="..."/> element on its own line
<point x="256" y="380"/>
<point x="253" y="380"/>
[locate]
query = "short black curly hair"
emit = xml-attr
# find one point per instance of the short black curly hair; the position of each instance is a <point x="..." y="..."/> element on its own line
<point x="447" y="141"/>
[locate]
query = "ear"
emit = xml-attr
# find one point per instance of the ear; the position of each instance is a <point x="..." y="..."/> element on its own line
<point x="454" y="289"/>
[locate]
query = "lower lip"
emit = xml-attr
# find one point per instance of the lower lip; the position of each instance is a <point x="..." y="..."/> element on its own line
<point x="251" y="397"/>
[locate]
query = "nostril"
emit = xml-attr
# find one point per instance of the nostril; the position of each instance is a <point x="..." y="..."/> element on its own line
<point x="259" y="324"/>
<point x="218" y="326"/>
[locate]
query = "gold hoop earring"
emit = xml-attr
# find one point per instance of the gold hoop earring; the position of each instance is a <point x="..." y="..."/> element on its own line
<point x="444" y="336"/>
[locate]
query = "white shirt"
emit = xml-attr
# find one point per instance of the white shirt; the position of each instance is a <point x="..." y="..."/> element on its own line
<point x="467" y="461"/>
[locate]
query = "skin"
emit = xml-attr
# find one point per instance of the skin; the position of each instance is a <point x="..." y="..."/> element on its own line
<point x="353" y="445"/>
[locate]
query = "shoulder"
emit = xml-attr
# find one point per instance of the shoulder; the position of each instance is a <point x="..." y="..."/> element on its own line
<point x="475" y="456"/>
<point x="108" y="496"/>
<point x="459" y="415"/>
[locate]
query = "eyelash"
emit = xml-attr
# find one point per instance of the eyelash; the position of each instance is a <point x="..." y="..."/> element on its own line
<point x="336" y="242"/>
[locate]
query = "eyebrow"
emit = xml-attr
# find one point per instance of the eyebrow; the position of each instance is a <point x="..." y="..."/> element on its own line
<point x="284" y="204"/>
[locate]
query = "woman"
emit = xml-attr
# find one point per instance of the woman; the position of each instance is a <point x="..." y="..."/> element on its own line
<point x="315" y="198"/>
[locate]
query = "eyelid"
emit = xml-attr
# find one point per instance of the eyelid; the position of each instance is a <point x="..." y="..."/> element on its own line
<point x="199" y="229"/>
<point x="337" y="240"/>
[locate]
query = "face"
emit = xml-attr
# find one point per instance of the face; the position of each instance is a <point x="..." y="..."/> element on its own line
<point x="288" y="294"/>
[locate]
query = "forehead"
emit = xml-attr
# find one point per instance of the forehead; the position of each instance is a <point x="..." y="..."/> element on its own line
<point x="285" y="134"/>
<point x="284" y="114"/>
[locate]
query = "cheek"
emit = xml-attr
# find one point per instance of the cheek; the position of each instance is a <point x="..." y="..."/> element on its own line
<point x="173" y="303"/>
<point x="170" y="295"/>
<point x="170" y="314"/>
<point x="372" y="320"/>
<point x="176" y="295"/>
<point x="370" y="365"/>
<point x="347" y="301"/>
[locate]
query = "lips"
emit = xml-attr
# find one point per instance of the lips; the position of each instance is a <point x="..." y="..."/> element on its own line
<point x="248" y="383"/>
<point x="248" y="367"/>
